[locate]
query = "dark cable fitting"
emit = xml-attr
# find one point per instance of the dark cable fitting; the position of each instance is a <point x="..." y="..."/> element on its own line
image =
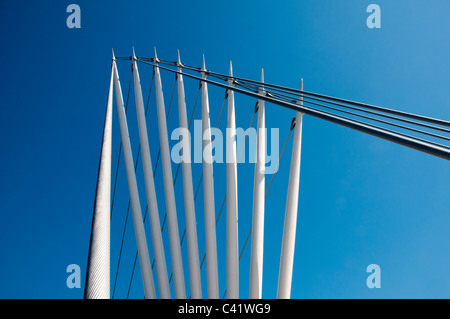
<point x="293" y="123"/>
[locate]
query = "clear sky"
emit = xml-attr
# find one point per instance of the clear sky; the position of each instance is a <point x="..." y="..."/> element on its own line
<point x="362" y="200"/>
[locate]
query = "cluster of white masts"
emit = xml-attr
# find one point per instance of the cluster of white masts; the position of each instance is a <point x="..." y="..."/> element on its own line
<point x="98" y="269"/>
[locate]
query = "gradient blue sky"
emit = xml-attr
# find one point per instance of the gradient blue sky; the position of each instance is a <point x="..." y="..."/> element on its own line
<point x="362" y="200"/>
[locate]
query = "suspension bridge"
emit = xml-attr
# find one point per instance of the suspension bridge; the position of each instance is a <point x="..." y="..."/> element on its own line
<point x="421" y="133"/>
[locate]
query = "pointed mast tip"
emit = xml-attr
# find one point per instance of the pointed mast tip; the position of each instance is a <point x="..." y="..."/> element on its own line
<point x="156" y="55"/>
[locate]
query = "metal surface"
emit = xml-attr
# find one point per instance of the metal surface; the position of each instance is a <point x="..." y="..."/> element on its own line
<point x="306" y="95"/>
<point x="232" y="202"/>
<point x="402" y="139"/>
<point x="188" y="192"/>
<point x="172" y="219"/>
<point x="141" y="241"/>
<point x="208" y="197"/>
<point x="290" y="219"/>
<point x="98" y="266"/>
<point x="257" y="248"/>
<point x="98" y="261"/>
<point x="155" y="226"/>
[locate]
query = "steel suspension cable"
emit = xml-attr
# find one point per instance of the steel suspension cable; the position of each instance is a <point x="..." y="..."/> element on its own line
<point x="284" y="95"/>
<point x="292" y="99"/>
<point x="306" y="93"/>
<point x="402" y="139"/>
<point x="380" y="114"/>
<point x="376" y="120"/>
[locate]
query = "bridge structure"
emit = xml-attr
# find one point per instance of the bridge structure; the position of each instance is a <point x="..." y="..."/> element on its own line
<point x="422" y="133"/>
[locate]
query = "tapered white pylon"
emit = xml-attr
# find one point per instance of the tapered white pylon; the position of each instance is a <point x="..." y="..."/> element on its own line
<point x="191" y="224"/>
<point x="155" y="226"/>
<point x="98" y="267"/>
<point x="232" y="207"/>
<point x="172" y="219"/>
<point x="208" y="196"/>
<point x="141" y="241"/>
<point x="256" y="258"/>
<point x="290" y="219"/>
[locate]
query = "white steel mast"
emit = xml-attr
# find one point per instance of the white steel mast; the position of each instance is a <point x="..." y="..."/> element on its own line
<point x="208" y="196"/>
<point x="98" y="267"/>
<point x="155" y="226"/>
<point x="172" y="219"/>
<point x="232" y="203"/>
<point x="257" y="248"/>
<point x="290" y="219"/>
<point x="188" y="192"/>
<point x="141" y="241"/>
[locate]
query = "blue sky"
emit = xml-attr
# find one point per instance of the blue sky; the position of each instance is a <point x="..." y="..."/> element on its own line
<point x="362" y="200"/>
